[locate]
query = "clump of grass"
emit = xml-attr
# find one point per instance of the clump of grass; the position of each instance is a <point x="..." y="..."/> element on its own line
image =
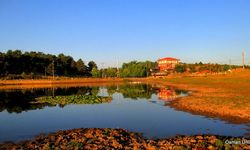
<point x="219" y="143"/>
<point x="73" y="99"/>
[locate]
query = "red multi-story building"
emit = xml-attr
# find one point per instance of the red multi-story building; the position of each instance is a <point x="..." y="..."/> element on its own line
<point x="167" y="63"/>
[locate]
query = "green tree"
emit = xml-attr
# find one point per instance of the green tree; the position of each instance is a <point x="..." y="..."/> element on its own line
<point x="111" y="72"/>
<point x="91" y="65"/>
<point x="15" y="62"/>
<point x="137" y="69"/>
<point x="95" y="73"/>
<point x="81" y="68"/>
<point x="226" y="67"/>
<point x="180" y="68"/>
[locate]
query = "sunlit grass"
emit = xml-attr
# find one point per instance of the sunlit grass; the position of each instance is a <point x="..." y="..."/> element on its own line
<point x="228" y="94"/>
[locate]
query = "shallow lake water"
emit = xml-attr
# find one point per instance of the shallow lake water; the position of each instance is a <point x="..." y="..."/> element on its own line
<point x="140" y="108"/>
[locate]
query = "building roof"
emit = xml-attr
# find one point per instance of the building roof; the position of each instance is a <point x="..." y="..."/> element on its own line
<point x="169" y="58"/>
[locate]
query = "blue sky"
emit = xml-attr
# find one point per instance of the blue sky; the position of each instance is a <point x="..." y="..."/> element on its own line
<point x="108" y="31"/>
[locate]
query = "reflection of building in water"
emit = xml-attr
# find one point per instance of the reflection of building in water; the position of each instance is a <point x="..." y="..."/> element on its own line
<point x="167" y="63"/>
<point x="167" y="94"/>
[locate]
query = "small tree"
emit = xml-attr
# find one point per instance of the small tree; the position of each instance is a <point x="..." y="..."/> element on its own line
<point x="81" y="68"/>
<point x="23" y="75"/>
<point x="226" y="67"/>
<point x="180" y="68"/>
<point x="91" y="65"/>
<point x="95" y="73"/>
<point x="111" y="72"/>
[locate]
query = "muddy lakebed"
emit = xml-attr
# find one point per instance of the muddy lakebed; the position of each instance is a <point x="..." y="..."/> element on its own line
<point x="140" y="108"/>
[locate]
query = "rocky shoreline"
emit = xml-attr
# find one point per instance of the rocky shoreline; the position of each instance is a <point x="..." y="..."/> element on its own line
<point x="96" y="138"/>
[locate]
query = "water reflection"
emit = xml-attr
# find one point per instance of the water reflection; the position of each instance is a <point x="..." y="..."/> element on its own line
<point x="20" y="100"/>
<point x="133" y="91"/>
<point x="136" y="107"/>
<point x="169" y="93"/>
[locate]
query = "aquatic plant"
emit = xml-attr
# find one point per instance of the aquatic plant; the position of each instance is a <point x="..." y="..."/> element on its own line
<point x="73" y="99"/>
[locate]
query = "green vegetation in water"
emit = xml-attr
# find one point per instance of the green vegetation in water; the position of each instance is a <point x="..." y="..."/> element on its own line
<point x="73" y="99"/>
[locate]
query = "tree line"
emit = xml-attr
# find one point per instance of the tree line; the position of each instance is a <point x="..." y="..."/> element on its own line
<point x="206" y="68"/>
<point x="130" y="69"/>
<point x="18" y="64"/>
<point x="15" y="64"/>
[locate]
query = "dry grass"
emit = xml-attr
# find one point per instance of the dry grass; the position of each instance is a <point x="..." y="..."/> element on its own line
<point x="63" y="82"/>
<point x="225" y="96"/>
<point x="58" y="81"/>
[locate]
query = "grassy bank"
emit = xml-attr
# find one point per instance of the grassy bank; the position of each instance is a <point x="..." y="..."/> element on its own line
<point x="95" y="138"/>
<point x="224" y="96"/>
<point x="59" y="81"/>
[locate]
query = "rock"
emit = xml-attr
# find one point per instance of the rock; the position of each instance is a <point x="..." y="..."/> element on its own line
<point x="210" y="147"/>
<point x="193" y="141"/>
<point x="52" y="138"/>
<point x="95" y="138"/>
<point x="199" y="137"/>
